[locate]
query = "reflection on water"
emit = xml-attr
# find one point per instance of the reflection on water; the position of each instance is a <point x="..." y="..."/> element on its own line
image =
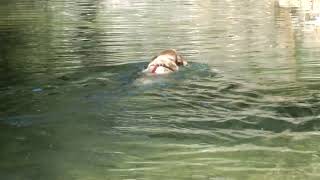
<point x="76" y="106"/>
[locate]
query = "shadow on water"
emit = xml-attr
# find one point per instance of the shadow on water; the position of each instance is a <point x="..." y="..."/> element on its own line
<point x="97" y="84"/>
<point x="195" y="97"/>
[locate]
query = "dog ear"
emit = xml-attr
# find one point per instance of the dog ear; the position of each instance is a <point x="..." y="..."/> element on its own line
<point x="180" y="61"/>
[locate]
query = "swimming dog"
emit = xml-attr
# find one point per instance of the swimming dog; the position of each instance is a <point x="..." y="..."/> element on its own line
<point x="167" y="61"/>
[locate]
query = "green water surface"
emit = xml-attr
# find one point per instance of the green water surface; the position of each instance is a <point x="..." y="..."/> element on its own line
<point x="75" y="106"/>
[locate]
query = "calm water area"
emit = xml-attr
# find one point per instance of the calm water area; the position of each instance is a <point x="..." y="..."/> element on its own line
<point x="75" y="106"/>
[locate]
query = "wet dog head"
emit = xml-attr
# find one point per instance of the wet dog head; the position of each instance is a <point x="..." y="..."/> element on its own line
<point x="174" y="56"/>
<point x="166" y="62"/>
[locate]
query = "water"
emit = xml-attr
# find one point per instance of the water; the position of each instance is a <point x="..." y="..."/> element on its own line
<point x="74" y="104"/>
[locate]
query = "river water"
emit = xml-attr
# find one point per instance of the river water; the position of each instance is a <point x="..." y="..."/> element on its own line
<point x="74" y="104"/>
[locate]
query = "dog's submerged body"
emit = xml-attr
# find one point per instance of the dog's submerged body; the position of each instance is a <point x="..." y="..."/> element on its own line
<point x="166" y="62"/>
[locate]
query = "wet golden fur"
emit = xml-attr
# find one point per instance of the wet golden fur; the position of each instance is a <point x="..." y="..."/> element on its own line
<point x="166" y="62"/>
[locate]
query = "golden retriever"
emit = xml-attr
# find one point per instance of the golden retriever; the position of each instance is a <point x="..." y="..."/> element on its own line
<point x="167" y="61"/>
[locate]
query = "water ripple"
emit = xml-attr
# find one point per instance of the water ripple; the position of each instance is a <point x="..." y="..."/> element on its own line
<point x="247" y="107"/>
